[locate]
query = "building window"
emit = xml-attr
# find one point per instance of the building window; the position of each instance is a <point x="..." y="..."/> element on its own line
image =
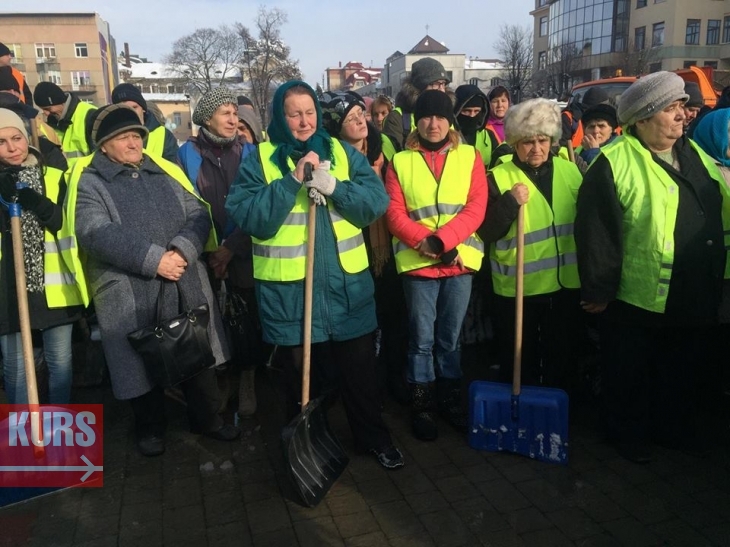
<point x="543" y="26"/>
<point x="16" y="52"/>
<point x="688" y="64"/>
<point x="171" y="88"/>
<point x="542" y="3"/>
<point x="713" y="32"/>
<point x="692" y="35"/>
<point x="79" y="79"/>
<point x="177" y="118"/>
<point x="712" y="64"/>
<point x="81" y="49"/>
<point x="53" y="76"/>
<point x="639" y="38"/>
<point x="542" y="60"/>
<point x="657" y="34"/>
<point x="45" y="51"/>
<point x="640" y="4"/>
<point x="655" y="67"/>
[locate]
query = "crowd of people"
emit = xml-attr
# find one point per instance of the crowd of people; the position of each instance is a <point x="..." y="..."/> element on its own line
<point x="626" y="224"/>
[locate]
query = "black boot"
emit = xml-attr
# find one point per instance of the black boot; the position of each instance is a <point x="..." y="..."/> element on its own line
<point x="448" y="395"/>
<point x="423" y="420"/>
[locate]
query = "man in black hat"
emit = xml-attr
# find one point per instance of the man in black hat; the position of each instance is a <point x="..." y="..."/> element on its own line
<point x="694" y="104"/>
<point x="68" y="117"/>
<point x="6" y="60"/>
<point x="160" y="141"/>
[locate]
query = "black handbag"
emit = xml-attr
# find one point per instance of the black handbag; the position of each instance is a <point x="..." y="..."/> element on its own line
<point x="242" y="328"/>
<point x="176" y="349"/>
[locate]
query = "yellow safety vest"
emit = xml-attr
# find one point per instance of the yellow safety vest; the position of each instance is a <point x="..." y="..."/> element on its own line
<point x="156" y="142"/>
<point x="433" y="204"/>
<point x="74" y="258"/>
<point x="649" y="199"/>
<point x="282" y="257"/>
<point x="484" y="145"/>
<point x="73" y="140"/>
<point x="550" y="257"/>
<point x="388" y="149"/>
<point x="61" y="288"/>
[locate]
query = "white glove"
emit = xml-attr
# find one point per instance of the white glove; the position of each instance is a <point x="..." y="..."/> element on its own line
<point x="322" y="181"/>
<point x="318" y="198"/>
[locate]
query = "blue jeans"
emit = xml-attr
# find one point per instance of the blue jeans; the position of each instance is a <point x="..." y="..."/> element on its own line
<point x="57" y="350"/>
<point x="436" y="310"/>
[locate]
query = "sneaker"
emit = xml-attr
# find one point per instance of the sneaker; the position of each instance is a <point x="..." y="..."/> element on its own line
<point x="389" y="457"/>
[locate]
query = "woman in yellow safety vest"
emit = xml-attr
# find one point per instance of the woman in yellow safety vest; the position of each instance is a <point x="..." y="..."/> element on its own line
<point x="270" y="201"/>
<point x="53" y="298"/>
<point x="546" y="186"/>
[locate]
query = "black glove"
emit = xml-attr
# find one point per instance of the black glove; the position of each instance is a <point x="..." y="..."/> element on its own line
<point x="436" y="244"/>
<point x="8" y="179"/>
<point x="31" y="200"/>
<point x="448" y="258"/>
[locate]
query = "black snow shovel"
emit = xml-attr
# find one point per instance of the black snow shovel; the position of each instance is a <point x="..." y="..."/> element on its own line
<point x="315" y="459"/>
<point x="527" y="420"/>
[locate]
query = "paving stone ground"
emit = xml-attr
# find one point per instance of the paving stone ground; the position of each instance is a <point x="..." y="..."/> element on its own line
<point x="447" y="495"/>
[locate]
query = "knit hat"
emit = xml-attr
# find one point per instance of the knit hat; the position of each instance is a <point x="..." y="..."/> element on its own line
<point x="434" y="103"/>
<point x="426" y="71"/>
<point x="112" y="120"/>
<point x="48" y="94"/>
<point x="4" y="50"/>
<point x="532" y="118"/>
<point x="243" y="100"/>
<point x="7" y="80"/>
<point x="601" y="112"/>
<point x="595" y="95"/>
<point x="8" y="118"/>
<point x="128" y="92"/>
<point x="336" y="107"/>
<point x="695" y="95"/>
<point x="649" y="95"/>
<point x="209" y="103"/>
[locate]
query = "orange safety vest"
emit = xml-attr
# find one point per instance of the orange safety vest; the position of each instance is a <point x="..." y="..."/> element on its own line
<point x="577" y="138"/>
<point x="21" y="81"/>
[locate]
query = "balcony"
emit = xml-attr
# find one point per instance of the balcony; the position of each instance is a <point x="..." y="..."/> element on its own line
<point x="17" y="64"/>
<point x="79" y="89"/>
<point x="44" y="64"/>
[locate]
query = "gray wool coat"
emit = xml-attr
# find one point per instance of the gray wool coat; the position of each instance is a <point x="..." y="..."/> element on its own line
<point x="126" y="219"/>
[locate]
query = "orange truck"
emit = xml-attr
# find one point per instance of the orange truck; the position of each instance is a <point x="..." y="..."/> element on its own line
<point x="614" y="87"/>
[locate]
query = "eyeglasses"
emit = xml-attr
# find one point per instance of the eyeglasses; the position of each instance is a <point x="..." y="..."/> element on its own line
<point x="439" y="84"/>
<point x="354" y="118"/>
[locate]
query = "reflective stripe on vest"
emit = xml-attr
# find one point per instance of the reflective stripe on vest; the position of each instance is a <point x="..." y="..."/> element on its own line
<point x="433" y="203"/>
<point x="73" y="141"/>
<point x="282" y="257"/>
<point x="649" y="199"/>
<point x="550" y="258"/>
<point x="66" y="237"/>
<point x="156" y="141"/>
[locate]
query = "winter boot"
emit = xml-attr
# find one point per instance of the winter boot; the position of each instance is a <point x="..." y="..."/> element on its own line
<point x="423" y="420"/>
<point x="448" y="395"/>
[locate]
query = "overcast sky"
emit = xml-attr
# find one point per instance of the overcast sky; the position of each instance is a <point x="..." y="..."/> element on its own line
<point x="320" y="33"/>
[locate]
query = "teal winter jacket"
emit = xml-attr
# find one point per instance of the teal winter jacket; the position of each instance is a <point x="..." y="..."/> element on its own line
<point x="343" y="304"/>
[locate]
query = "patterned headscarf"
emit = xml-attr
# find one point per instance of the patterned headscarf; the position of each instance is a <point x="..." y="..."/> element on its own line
<point x="287" y="146"/>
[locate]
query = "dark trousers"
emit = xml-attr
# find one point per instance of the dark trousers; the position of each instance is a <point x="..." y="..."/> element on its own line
<point x="392" y="316"/>
<point x="201" y="394"/>
<point x="650" y="380"/>
<point x="350" y="367"/>
<point x="553" y="339"/>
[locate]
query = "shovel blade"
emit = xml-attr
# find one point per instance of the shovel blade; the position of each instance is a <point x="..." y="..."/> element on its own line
<point x="533" y="424"/>
<point x="315" y="458"/>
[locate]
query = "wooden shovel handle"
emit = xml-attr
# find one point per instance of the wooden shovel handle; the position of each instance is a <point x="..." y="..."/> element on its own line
<point x="308" y="290"/>
<point x="519" y="296"/>
<point x="571" y="152"/>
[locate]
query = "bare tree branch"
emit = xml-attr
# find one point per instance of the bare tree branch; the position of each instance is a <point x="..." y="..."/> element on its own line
<point x="634" y="61"/>
<point x="514" y="46"/>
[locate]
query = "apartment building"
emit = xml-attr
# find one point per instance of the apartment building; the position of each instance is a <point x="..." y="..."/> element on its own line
<point x="73" y="50"/>
<point x="581" y="40"/>
<point x="352" y="76"/>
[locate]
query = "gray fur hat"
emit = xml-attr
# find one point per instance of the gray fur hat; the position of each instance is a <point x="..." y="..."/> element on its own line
<point x="532" y="118"/>
<point x="426" y="71"/>
<point x="209" y="103"/>
<point x="649" y="95"/>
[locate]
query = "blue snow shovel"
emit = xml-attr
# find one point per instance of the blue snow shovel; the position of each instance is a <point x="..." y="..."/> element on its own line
<point x="531" y="421"/>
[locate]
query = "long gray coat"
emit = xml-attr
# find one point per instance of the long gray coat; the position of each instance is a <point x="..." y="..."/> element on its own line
<point x="126" y="219"/>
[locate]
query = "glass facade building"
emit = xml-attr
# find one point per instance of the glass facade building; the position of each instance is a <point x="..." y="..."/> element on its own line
<point x="592" y="26"/>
